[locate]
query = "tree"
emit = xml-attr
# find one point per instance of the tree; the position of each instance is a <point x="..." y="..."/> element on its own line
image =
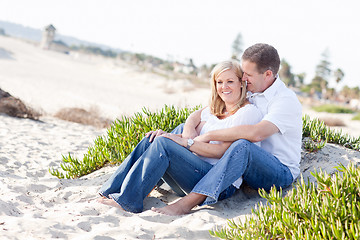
<point x="323" y="68"/>
<point x="299" y="79"/>
<point x="237" y="47"/>
<point x="285" y="73"/>
<point x="322" y="73"/>
<point x="339" y="75"/>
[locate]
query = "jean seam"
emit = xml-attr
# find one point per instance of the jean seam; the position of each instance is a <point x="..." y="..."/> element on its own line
<point x="125" y="206"/>
<point x="147" y="176"/>
<point x="216" y="192"/>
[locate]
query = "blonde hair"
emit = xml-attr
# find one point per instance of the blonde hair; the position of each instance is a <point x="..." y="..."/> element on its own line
<point x="217" y="105"/>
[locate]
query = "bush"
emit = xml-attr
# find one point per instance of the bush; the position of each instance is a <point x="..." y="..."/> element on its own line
<point x="122" y="137"/>
<point x="356" y="117"/>
<point x="320" y="134"/>
<point x="82" y="116"/>
<point x="329" y="209"/>
<point x="332" y="109"/>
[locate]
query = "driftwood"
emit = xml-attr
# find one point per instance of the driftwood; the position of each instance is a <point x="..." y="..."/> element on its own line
<point x="14" y="107"/>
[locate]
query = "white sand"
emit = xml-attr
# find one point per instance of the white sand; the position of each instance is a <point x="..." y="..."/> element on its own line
<point x="36" y="205"/>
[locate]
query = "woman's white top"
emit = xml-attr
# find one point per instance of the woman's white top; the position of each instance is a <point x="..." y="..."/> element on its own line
<point x="247" y="115"/>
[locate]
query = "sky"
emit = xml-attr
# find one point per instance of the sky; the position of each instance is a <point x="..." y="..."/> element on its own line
<point x="204" y="30"/>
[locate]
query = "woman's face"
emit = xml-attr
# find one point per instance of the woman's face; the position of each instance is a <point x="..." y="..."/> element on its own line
<point x="228" y="86"/>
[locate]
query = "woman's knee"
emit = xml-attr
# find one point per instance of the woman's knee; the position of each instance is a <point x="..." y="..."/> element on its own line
<point x="179" y="129"/>
<point x="162" y="143"/>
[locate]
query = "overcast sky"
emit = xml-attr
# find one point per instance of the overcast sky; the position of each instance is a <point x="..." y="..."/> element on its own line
<point x="205" y="29"/>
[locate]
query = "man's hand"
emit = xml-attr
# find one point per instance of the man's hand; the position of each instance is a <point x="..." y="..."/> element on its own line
<point x="154" y="134"/>
<point x="203" y="138"/>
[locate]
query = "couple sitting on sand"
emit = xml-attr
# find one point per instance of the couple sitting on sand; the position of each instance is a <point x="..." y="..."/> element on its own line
<point x="254" y="138"/>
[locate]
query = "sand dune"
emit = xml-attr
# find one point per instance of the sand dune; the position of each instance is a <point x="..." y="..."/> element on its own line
<point x="50" y="80"/>
<point x="36" y="205"/>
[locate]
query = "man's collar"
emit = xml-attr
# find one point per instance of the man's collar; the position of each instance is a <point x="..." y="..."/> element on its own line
<point x="270" y="91"/>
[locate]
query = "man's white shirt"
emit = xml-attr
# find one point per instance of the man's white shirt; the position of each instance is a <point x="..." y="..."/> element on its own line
<point x="280" y="106"/>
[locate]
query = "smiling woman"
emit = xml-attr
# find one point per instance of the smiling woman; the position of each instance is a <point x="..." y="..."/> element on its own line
<point x="228" y="89"/>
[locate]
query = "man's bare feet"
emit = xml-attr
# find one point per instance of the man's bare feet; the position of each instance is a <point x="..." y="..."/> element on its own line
<point x="109" y="201"/>
<point x="183" y="206"/>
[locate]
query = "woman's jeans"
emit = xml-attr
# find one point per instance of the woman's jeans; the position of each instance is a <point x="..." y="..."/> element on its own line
<point x="185" y="172"/>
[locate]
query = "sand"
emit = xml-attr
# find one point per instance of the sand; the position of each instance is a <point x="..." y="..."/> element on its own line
<point x="36" y="205"/>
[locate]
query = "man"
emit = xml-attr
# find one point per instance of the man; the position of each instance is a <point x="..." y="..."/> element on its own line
<point x="276" y="162"/>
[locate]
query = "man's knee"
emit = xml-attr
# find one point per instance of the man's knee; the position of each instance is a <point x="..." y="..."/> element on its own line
<point x="241" y="143"/>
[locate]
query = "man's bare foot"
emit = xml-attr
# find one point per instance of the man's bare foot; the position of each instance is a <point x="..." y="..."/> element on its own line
<point x="172" y="210"/>
<point x="181" y="207"/>
<point x="109" y="201"/>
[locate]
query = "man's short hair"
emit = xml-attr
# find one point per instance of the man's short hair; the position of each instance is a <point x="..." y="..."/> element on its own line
<point x="264" y="56"/>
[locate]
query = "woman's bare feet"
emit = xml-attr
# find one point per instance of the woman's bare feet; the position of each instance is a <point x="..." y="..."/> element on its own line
<point x="183" y="206"/>
<point x="109" y="201"/>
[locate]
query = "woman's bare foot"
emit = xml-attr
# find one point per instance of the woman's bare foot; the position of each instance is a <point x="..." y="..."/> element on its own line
<point x="181" y="207"/>
<point x="109" y="201"/>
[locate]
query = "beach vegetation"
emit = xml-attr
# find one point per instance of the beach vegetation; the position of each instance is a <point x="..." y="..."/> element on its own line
<point x="321" y="134"/>
<point x="331" y="108"/>
<point x="121" y="138"/>
<point x="327" y="209"/>
<point x="125" y="133"/>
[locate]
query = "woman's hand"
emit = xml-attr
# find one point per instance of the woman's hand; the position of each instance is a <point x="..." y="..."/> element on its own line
<point x="154" y="134"/>
<point x="176" y="138"/>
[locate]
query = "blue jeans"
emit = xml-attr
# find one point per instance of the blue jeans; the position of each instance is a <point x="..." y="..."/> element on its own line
<point x="147" y="164"/>
<point x="185" y="172"/>
<point x="258" y="168"/>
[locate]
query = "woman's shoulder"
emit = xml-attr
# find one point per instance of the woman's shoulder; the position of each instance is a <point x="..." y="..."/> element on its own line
<point x="249" y="111"/>
<point x="249" y="107"/>
<point x="205" y="114"/>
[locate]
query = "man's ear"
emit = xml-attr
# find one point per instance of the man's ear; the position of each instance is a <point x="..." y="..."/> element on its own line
<point x="269" y="75"/>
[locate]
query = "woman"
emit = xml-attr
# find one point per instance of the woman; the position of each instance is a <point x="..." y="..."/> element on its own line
<point x="179" y="161"/>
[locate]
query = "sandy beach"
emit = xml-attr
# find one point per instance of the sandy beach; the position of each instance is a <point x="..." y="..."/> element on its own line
<point x="36" y="205"/>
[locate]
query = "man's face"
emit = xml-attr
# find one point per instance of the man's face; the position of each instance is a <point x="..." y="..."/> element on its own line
<point x="255" y="80"/>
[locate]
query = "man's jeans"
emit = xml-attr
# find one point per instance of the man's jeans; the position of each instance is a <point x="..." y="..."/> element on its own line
<point x="258" y="168"/>
<point x="185" y="172"/>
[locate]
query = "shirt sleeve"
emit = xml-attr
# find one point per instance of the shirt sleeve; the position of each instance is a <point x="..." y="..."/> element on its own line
<point x="284" y="111"/>
<point x="205" y="114"/>
<point x="250" y="115"/>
